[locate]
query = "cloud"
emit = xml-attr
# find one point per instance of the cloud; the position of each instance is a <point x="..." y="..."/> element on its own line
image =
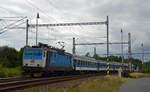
<point x="130" y="15"/>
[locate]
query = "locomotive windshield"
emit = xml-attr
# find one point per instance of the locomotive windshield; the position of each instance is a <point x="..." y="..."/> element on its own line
<point x="33" y="52"/>
<point x="30" y="53"/>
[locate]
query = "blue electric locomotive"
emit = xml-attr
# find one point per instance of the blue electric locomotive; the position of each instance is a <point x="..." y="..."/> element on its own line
<point x="46" y="60"/>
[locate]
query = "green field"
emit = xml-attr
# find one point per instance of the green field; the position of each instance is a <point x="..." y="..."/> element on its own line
<point x="10" y="72"/>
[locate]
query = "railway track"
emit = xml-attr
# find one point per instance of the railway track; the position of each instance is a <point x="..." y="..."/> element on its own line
<point x="2" y="80"/>
<point x="20" y="84"/>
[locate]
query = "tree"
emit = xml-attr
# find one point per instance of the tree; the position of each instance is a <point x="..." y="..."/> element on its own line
<point x="97" y="57"/>
<point x="9" y="57"/>
<point x="20" y="55"/>
<point x="87" y="54"/>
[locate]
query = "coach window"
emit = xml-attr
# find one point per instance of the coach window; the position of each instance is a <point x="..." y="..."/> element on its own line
<point x="83" y="63"/>
<point x="55" y="55"/>
<point x="79" y="62"/>
<point x="102" y="65"/>
<point x="93" y="64"/>
<point x="90" y="64"/>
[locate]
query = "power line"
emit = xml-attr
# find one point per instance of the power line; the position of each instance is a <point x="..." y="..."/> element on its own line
<point x="12" y="24"/>
<point x="101" y="43"/>
<point x="13" y="17"/>
<point x="14" y="27"/>
<point x="40" y="10"/>
<point x="126" y="53"/>
<point x="52" y="5"/>
<point x="8" y="20"/>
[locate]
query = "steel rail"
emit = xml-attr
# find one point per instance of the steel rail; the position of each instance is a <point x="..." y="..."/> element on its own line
<point x="8" y="86"/>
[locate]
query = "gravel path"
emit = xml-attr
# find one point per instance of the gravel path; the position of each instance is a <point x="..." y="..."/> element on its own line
<point x="138" y="85"/>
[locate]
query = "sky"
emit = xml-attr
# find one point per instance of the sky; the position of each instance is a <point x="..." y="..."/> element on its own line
<point x="130" y="15"/>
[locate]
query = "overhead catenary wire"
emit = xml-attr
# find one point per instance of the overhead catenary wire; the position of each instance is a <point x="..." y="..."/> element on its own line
<point x="34" y="6"/>
<point x="12" y="17"/>
<point x="12" y="24"/>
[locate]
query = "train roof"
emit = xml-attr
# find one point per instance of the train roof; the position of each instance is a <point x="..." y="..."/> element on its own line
<point x="84" y="58"/>
<point x="50" y="48"/>
<point x="94" y="60"/>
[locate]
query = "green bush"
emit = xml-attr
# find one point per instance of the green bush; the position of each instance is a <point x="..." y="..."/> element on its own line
<point x="10" y="57"/>
<point x="145" y="70"/>
<point x="10" y="72"/>
<point x="125" y="74"/>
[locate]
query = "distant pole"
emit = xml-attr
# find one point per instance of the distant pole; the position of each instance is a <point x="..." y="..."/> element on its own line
<point x="73" y="49"/>
<point x="122" y="46"/>
<point x="129" y="51"/>
<point x="107" y="24"/>
<point x="27" y="29"/>
<point x="107" y="37"/>
<point x="142" y="53"/>
<point x="37" y="17"/>
<point x="94" y="51"/>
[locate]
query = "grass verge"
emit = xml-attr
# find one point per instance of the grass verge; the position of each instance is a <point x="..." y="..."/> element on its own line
<point x="102" y="84"/>
<point x="139" y="75"/>
<point x="10" y="72"/>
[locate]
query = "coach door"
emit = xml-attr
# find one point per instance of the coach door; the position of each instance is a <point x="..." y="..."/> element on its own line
<point x="48" y="59"/>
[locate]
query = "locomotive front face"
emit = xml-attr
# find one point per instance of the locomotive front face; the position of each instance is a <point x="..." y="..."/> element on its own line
<point x="33" y="57"/>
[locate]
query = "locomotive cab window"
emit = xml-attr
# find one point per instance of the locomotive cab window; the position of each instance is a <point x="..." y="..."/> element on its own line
<point x="28" y="52"/>
<point x="37" y="53"/>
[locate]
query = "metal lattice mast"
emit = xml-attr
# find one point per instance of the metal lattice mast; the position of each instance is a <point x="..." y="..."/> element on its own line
<point x="27" y="29"/>
<point x="129" y="50"/>
<point x="122" y="47"/>
<point x="73" y="49"/>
